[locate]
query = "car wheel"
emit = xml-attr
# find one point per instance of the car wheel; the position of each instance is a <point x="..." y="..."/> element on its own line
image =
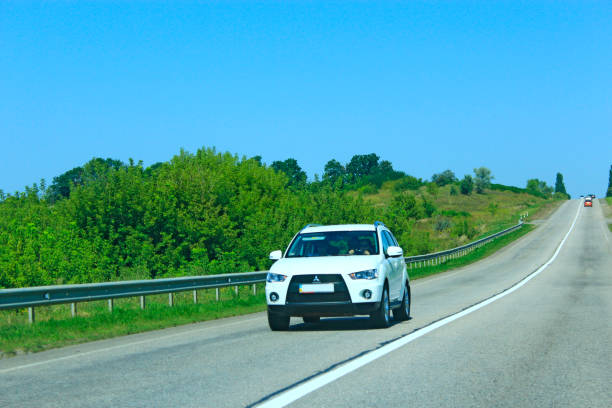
<point x="382" y="317"/>
<point x="311" y="319"/>
<point x="403" y="312"/>
<point x="278" y="322"/>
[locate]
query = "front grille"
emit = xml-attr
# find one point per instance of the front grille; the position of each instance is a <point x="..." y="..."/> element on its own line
<point x="340" y="294"/>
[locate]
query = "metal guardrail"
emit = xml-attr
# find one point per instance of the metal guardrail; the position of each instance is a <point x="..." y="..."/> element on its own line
<point x="62" y="294"/>
<point x="442" y="256"/>
<point x="52" y="295"/>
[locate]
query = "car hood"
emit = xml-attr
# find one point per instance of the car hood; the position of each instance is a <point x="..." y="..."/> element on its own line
<point x="325" y="265"/>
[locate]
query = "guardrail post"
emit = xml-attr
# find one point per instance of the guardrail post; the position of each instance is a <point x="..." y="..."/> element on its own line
<point x="110" y="305"/>
<point x="217" y="294"/>
<point x="195" y="296"/>
<point x="73" y="309"/>
<point x="236" y="290"/>
<point x="171" y="299"/>
<point x="31" y="315"/>
<point x="142" y="302"/>
<point x="254" y="289"/>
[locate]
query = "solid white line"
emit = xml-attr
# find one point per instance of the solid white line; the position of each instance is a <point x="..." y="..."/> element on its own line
<point x="301" y="390"/>
<point x="136" y="343"/>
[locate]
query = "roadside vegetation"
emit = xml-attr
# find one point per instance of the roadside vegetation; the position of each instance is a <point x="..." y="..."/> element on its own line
<point x="476" y="255"/>
<point x="56" y="328"/>
<point x="608" y="210"/>
<point x="210" y="213"/>
<point x="609" y="190"/>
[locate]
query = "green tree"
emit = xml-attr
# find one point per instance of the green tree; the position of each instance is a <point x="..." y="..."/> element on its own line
<point x="539" y="187"/>
<point x="482" y="179"/>
<point x="64" y="183"/>
<point x="444" y="178"/>
<point x="559" y="185"/>
<point x="360" y="166"/>
<point x="334" y="172"/>
<point x="297" y="177"/>
<point x="609" y="192"/>
<point x="60" y="188"/>
<point x="467" y="185"/>
<point x="407" y="183"/>
<point x="405" y="206"/>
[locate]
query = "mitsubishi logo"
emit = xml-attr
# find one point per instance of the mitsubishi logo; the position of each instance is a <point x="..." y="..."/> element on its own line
<point x="316" y="279"/>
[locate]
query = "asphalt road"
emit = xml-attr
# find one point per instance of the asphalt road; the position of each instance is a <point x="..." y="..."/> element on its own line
<point x="548" y="343"/>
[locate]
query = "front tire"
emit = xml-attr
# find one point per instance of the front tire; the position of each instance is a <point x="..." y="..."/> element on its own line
<point x="278" y="322"/>
<point x="382" y="317"/>
<point x="403" y="312"/>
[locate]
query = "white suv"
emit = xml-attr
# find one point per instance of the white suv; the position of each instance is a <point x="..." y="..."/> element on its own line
<point x="339" y="270"/>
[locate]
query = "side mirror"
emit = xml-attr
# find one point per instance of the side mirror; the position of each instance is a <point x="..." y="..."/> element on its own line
<point x="395" y="251"/>
<point x="276" y="255"/>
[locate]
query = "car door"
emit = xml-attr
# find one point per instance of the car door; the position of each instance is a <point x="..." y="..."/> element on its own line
<point x="402" y="273"/>
<point x="395" y="274"/>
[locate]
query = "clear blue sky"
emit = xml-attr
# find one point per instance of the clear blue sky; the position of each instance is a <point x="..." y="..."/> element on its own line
<point x="524" y="88"/>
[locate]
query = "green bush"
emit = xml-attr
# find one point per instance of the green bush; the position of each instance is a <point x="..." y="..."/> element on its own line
<point x="200" y="213"/>
<point x="407" y="183"/>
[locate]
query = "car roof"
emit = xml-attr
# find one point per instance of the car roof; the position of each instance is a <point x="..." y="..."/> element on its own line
<point x="340" y="227"/>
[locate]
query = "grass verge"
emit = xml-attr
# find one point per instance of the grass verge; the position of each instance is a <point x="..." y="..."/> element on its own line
<point x="475" y="255"/>
<point x="56" y="328"/>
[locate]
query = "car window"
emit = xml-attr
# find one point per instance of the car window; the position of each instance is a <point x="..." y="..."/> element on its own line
<point x="334" y="243"/>
<point x="393" y="238"/>
<point x="387" y="241"/>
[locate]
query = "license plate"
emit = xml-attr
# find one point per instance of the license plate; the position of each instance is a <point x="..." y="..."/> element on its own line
<point x="317" y="288"/>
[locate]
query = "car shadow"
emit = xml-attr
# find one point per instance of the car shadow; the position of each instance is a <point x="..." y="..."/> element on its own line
<point x="335" y="324"/>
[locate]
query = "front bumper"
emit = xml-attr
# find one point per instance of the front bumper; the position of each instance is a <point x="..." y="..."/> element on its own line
<point x="325" y="309"/>
<point x="346" y="292"/>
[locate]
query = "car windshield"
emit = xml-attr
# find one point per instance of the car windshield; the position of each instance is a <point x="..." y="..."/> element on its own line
<point x="334" y="243"/>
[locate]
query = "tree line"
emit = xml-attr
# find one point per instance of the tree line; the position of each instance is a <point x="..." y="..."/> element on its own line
<point x="200" y="213"/>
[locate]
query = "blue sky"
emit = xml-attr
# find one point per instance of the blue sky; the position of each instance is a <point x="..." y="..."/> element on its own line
<point x="524" y="88"/>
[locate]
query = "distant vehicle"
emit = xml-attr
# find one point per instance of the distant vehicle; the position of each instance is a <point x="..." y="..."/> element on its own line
<point x="592" y="195"/>
<point x="339" y="270"/>
<point x="588" y="203"/>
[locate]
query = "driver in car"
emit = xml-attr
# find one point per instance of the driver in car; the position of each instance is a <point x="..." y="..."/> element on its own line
<point x="359" y="247"/>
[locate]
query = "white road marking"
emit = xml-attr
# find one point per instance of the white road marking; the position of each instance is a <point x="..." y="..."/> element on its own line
<point x="135" y="343"/>
<point x="301" y="390"/>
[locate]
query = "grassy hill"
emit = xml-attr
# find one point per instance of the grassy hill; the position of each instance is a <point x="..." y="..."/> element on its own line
<point x="458" y="218"/>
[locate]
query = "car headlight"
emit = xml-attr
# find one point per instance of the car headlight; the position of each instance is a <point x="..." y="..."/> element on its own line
<point x="369" y="274"/>
<point x="275" y="277"/>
